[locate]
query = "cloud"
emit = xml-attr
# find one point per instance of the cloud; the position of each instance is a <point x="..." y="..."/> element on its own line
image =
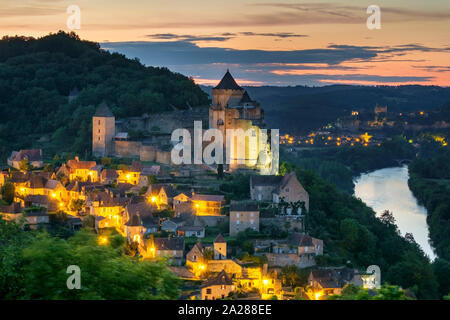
<point x="221" y="37"/>
<point x="187" y="37"/>
<point x="333" y="64"/>
<point x="181" y="52"/>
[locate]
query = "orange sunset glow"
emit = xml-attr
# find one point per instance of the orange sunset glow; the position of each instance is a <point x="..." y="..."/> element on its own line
<point x="278" y="42"/>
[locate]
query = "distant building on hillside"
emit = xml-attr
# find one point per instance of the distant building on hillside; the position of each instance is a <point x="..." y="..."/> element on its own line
<point x="33" y="156"/>
<point x="278" y="188"/>
<point x="243" y="215"/>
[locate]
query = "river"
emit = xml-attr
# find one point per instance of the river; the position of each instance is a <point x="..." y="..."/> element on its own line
<point x="387" y="189"/>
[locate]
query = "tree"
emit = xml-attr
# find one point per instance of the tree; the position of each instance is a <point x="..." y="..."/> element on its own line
<point x="8" y="191"/>
<point x="285" y="167"/>
<point x="76" y="205"/>
<point x="388" y="218"/>
<point x="25" y="165"/>
<point x="106" y="273"/>
<point x="441" y="269"/>
<point x="220" y="171"/>
<point x="293" y="276"/>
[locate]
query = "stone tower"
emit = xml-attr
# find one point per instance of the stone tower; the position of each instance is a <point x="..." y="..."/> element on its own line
<point x="103" y="131"/>
<point x="220" y="248"/>
<point x="232" y="108"/>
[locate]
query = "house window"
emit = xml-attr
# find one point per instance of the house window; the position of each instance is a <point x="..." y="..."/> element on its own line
<point x="237" y="222"/>
<point x="237" y="215"/>
<point x="223" y="287"/>
<point x="252" y="221"/>
<point x="98" y="122"/>
<point x="259" y="196"/>
<point x="251" y="214"/>
<point x="208" y="291"/>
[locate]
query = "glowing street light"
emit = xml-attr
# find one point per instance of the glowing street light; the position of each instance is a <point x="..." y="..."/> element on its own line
<point x="102" y="240"/>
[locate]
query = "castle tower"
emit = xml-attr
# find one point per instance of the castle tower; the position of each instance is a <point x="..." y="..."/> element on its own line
<point x="232" y="108"/>
<point x="220" y="248"/>
<point x="226" y="89"/>
<point x="103" y="131"/>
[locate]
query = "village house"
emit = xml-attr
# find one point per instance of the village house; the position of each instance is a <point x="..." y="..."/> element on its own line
<point x="278" y="189"/>
<point x="299" y="249"/>
<point x="172" y="248"/>
<point x="77" y="190"/>
<point x="132" y="175"/>
<point x="217" y="288"/>
<point x="40" y="185"/>
<point x="108" y="176"/>
<point x="12" y="212"/>
<point x="42" y="201"/>
<point x="146" y="172"/>
<point x="243" y="215"/>
<point x="36" y="217"/>
<point x="207" y="204"/>
<point x="140" y="221"/>
<point x="32" y="156"/>
<point x="329" y="281"/>
<point x="197" y="231"/>
<point x="161" y="194"/>
<point x="108" y="211"/>
<point x="81" y="170"/>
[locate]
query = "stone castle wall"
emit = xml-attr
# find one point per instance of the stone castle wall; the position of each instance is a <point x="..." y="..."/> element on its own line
<point x="137" y="150"/>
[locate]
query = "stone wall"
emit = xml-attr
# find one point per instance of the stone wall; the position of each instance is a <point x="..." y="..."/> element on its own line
<point x="127" y="149"/>
<point x="285" y="259"/>
<point x="166" y="122"/>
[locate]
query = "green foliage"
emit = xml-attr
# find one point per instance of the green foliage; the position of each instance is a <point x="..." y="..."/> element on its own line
<point x="386" y="292"/>
<point x="441" y="268"/>
<point x="37" y="76"/>
<point x="429" y="183"/>
<point x="25" y="165"/>
<point x="152" y="179"/>
<point x="294" y="277"/>
<point x="238" y="188"/>
<point x="8" y="192"/>
<point x="35" y="268"/>
<point x="76" y="205"/>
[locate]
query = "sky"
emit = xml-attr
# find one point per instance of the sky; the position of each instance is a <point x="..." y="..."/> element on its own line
<point x="272" y="42"/>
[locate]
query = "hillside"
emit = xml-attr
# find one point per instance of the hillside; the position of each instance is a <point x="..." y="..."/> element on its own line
<point x="299" y="109"/>
<point x="37" y="75"/>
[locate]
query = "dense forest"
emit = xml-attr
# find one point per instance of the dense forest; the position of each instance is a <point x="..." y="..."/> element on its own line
<point x="37" y="76"/>
<point x="297" y="110"/>
<point x="430" y="183"/>
<point x="34" y="266"/>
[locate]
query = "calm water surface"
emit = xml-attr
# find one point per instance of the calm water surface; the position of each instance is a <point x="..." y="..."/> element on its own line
<point x="387" y="189"/>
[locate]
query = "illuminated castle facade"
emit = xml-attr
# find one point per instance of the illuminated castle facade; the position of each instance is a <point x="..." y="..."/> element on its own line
<point x="232" y="108"/>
